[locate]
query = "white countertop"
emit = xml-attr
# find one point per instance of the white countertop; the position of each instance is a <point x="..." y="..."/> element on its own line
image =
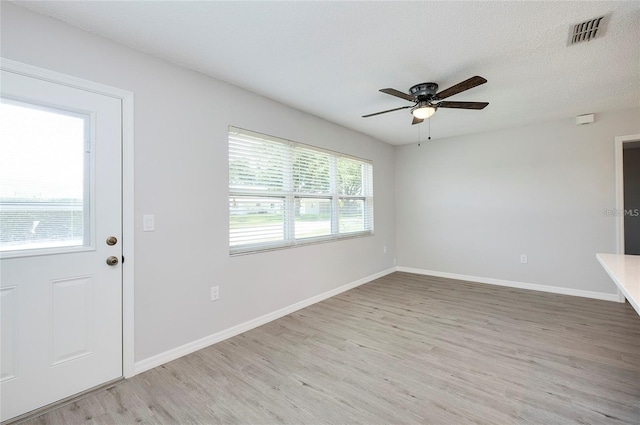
<point x="625" y="272"/>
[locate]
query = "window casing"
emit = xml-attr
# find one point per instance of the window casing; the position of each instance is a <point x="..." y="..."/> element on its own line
<point x="284" y="193"/>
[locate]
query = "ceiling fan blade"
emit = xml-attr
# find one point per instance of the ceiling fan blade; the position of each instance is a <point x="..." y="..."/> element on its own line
<point x="416" y="121"/>
<point x="463" y="105"/>
<point x="384" y="112"/>
<point x="397" y="93"/>
<point x="460" y="87"/>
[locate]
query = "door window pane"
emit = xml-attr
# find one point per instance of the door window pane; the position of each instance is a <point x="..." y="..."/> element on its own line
<point x="43" y="169"/>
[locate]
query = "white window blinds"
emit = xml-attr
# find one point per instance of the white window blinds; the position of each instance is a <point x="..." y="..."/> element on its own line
<point x="283" y="193"/>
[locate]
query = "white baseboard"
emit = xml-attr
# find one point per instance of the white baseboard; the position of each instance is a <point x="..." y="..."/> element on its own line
<point x="167" y="356"/>
<point x="521" y="285"/>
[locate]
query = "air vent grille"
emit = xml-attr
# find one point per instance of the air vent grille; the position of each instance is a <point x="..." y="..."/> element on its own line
<point x="588" y="30"/>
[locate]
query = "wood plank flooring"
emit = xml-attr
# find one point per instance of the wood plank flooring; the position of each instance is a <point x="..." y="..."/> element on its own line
<point x="404" y="349"/>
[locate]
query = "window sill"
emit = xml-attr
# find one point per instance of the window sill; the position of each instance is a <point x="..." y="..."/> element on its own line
<point x="296" y="244"/>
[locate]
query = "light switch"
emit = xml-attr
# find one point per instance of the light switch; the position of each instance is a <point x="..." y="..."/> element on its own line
<point x="148" y="223"/>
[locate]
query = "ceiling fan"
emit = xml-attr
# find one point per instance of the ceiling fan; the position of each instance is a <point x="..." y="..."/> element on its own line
<point x="427" y="99"/>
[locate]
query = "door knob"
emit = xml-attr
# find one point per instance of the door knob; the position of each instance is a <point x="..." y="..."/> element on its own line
<point x="112" y="261"/>
<point x="112" y="240"/>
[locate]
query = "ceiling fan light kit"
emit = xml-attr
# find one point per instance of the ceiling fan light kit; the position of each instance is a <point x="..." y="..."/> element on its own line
<point x="423" y="110"/>
<point x="427" y="99"/>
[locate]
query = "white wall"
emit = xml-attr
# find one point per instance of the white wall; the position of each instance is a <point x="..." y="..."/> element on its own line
<point x="471" y="205"/>
<point x="181" y="120"/>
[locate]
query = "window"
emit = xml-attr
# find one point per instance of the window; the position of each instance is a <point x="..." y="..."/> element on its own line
<point x="44" y="177"/>
<point x="283" y="193"/>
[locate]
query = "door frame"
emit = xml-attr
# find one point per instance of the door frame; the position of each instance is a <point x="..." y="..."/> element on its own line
<point x="619" y="147"/>
<point x="619" y="142"/>
<point x="126" y="97"/>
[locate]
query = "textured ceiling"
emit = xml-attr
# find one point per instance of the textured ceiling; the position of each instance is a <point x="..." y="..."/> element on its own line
<point x="330" y="58"/>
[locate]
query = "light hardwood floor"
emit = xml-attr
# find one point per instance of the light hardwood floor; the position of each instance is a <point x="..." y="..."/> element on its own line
<point x="404" y="349"/>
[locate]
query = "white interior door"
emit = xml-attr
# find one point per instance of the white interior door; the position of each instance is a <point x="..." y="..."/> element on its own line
<point x="60" y="201"/>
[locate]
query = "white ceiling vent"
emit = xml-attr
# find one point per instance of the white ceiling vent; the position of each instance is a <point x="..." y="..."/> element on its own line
<point x="588" y="30"/>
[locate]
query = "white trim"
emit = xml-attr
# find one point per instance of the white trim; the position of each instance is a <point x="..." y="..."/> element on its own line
<point x="183" y="350"/>
<point x="511" y="284"/>
<point x="618" y="150"/>
<point x="63" y="79"/>
<point x="128" y="232"/>
<point x="127" y="188"/>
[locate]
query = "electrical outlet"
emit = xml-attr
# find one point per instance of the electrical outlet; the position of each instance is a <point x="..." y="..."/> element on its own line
<point x="394" y="261"/>
<point x="215" y="293"/>
<point x="524" y="259"/>
<point x="384" y="249"/>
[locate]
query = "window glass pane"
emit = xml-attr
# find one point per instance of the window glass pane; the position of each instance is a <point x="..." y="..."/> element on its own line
<point x="42" y="178"/>
<point x="256" y="164"/>
<point x="310" y="172"/>
<point x="351" y="215"/>
<point x="255" y="220"/>
<point x="349" y="177"/>
<point x="313" y="217"/>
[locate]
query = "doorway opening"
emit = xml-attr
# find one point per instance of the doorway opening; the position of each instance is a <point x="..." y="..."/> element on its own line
<point x="627" y="153"/>
<point x="631" y="190"/>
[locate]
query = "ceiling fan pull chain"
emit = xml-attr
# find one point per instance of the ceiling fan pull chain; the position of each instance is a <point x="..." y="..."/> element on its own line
<point x="429" y="128"/>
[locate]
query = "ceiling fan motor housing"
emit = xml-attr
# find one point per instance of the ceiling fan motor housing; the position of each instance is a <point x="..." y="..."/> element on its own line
<point x="424" y="90"/>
